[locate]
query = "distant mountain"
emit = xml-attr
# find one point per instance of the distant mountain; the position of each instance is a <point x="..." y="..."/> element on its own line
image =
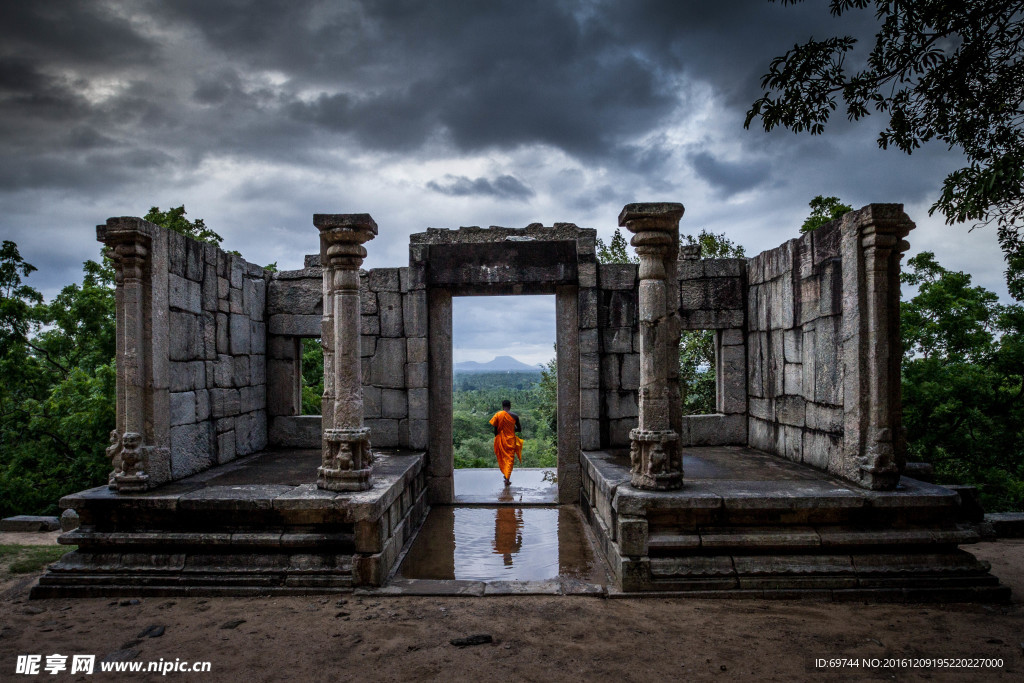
<point x="499" y="364"/>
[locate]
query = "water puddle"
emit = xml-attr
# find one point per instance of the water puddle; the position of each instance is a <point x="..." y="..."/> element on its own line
<point x="530" y="486"/>
<point x="502" y="544"/>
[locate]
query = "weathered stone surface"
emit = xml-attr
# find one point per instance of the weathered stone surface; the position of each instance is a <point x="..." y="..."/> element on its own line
<point x="385" y="280"/>
<point x="394" y="404"/>
<point x="190" y="449"/>
<point x="418" y="405"/>
<point x="183" y="408"/>
<point x="183" y="294"/>
<point x="239" y="333"/>
<point x="187" y="375"/>
<point x="387" y="367"/>
<point x="620" y="276"/>
<point x="224" y="402"/>
<point x="390" y="307"/>
<point x="414" y="312"/>
<point x="296" y="325"/>
<point x="29" y="523"/>
<point x="371" y="402"/>
<point x="295" y="297"/>
<point x="416" y="375"/>
<point x="416" y="350"/>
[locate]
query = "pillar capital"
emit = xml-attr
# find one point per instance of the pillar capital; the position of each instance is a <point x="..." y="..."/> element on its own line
<point x="342" y="236"/>
<point x="650" y="216"/>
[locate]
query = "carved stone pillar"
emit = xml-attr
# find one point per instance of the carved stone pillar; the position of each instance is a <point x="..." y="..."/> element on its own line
<point x="655" y="455"/>
<point x="129" y="249"/>
<point x="872" y="409"/>
<point x="347" y="459"/>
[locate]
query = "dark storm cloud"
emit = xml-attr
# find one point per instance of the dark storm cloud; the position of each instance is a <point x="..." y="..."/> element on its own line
<point x="504" y="187"/>
<point x="584" y="77"/>
<point x="102" y="101"/>
<point x="730" y="177"/>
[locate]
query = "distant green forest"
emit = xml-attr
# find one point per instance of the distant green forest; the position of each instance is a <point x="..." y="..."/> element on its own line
<point x="478" y="395"/>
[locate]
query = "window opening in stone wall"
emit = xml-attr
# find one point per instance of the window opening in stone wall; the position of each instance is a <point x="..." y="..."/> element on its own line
<point x="312" y="376"/>
<point x="504" y="348"/>
<point x="697" y="372"/>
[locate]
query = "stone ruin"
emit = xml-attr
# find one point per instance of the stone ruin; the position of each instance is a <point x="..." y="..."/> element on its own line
<point x="793" y="486"/>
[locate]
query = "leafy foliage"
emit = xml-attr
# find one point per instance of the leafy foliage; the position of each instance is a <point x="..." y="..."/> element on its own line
<point x="963" y="382"/>
<point x="946" y="71"/>
<point x="823" y="210"/>
<point x="478" y="395"/>
<point x="57" y="397"/>
<point x="617" y="251"/>
<point x="174" y="219"/>
<point x="312" y="376"/>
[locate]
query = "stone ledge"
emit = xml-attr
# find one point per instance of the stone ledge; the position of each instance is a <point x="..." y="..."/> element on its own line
<point x="1007" y="524"/>
<point x="29" y="523"/>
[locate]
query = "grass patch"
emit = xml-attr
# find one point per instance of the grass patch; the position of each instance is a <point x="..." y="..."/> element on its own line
<point x="25" y="559"/>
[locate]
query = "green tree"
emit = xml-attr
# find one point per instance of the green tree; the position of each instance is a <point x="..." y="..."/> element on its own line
<point x="823" y="210"/>
<point x="617" y="251"/>
<point x="312" y="376"/>
<point x="57" y="397"/>
<point x="963" y="382"/>
<point x="697" y="348"/>
<point x="174" y="219"/>
<point x="946" y="71"/>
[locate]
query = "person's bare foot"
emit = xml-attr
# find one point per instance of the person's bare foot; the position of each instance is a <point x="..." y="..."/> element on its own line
<point x="508" y="482"/>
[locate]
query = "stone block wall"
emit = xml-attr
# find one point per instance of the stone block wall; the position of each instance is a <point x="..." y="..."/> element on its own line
<point x="619" y="342"/>
<point x="824" y="350"/>
<point x="217" y="355"/>
<point x="394" y="350"/>
<point x="712" y="296"/>
<point x="794" y="344"/>
<point x="295" y="307"/>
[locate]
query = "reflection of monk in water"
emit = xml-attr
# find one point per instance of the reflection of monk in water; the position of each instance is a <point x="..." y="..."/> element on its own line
<point x="508" y="532"/>
<point x="507" y="445"/>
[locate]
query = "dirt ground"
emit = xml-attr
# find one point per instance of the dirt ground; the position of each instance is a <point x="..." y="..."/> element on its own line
<point x="534" y="638"/>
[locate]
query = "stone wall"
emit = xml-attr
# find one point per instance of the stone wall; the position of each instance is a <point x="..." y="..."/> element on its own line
<point x="617" y="328"/>
<point x="216" y="352"/>
<point x="295" y="308"/>
<point x="394" y="350"/>
<point x="823" y="347"/>
<point x="712" y="296"/>
<point x="795" y="348"/>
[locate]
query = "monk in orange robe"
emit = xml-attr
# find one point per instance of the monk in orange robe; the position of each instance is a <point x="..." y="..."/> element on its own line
<point x="507" y="446"/>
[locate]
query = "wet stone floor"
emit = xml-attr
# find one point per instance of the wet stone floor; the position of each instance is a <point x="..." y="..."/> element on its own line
<point x="503" y="543"/>
<point x="486" y="486"/>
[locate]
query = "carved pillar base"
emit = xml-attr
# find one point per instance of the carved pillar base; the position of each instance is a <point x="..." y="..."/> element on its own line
<point x="347" y="460"/>
<point x="655" y="459"/>
<point x="131" y="477"/>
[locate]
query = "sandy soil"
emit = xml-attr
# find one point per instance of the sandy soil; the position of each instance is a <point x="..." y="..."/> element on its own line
<point x="534" y="638"/>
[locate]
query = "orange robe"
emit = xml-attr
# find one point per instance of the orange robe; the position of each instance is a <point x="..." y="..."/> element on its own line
<point x="507" y="446"/>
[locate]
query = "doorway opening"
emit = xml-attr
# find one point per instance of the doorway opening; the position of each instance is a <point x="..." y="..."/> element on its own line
<point x="503" y="348"/>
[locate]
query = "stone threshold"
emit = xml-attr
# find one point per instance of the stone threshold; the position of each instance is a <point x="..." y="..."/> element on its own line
<point x="463" y="588"/>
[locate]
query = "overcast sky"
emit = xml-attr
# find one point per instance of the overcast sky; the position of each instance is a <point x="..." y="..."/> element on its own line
<point x="255" y="115"/>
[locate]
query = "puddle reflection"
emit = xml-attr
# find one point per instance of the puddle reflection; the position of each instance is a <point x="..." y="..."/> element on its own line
<point x="501" y="544"/>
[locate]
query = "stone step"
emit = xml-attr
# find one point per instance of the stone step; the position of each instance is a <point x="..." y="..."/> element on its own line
<point x="771" y="537"/>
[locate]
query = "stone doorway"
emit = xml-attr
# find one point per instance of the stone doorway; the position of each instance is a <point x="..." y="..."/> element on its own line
<point x="442" y="455"/>
<point x="516" y="336"/>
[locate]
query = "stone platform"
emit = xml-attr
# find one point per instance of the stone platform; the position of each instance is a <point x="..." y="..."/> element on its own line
<point x="750" y="524"/>
<point x="254" y="526"/>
